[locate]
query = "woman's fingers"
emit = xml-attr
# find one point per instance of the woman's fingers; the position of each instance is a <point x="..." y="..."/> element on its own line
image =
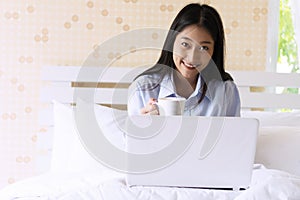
<point x="150" y="108"/>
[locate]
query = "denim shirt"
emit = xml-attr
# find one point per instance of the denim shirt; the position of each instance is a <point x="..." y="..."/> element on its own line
<point x="221" y="98"/>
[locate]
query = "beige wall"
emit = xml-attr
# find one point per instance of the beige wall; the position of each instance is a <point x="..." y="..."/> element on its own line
<point x="63" y="32"/>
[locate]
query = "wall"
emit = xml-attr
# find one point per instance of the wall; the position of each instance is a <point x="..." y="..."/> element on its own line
<point x="63" y="32"/>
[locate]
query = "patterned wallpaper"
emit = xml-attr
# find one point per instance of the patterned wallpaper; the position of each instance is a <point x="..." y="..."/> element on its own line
<point x="63" y="32"/>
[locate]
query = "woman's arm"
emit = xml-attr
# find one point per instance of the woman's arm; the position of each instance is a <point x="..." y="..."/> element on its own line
<point x="232" y="99"/>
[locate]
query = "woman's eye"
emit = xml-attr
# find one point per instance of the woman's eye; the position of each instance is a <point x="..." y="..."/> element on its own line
<point x="185" y="44"/>
<point x="203" y="48"/>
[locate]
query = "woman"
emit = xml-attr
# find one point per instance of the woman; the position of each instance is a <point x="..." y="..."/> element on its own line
<point x="191" y="65"/>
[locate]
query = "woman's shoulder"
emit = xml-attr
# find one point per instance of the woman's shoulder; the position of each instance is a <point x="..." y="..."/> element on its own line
<point x="148" y="78"/>
<point x="148" y="81"/>
<point x="228" y="86"/>
<point x="219" y="89"/>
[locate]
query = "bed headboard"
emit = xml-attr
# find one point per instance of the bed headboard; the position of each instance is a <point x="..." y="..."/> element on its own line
<point x="257" y="88"/>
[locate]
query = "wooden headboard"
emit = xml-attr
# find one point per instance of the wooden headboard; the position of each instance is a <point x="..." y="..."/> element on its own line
<point x="257" y="89"/>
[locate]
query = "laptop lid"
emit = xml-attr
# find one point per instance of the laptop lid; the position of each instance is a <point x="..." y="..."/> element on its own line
<point x="185" y="151"/>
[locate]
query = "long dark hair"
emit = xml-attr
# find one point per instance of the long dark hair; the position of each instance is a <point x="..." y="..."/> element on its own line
<point x="203" y="16"/>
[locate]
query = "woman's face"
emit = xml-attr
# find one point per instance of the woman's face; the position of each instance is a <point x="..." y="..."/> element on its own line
<point x="193" y="48"/>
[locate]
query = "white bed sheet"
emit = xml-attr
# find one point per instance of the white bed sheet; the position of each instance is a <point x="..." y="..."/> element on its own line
<point x="266" y="184"/>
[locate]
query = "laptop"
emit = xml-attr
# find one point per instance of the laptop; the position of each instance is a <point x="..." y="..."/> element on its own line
<point x="190" y="151"/>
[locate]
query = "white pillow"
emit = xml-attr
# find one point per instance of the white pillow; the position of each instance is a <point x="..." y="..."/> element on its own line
<point x="69" y="155"/>
<point x="278" y="147"/>
<point x="278" y="144"/>
<point x="268" y="118"/>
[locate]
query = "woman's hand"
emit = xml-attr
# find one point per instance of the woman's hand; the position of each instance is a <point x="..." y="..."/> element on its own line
<point x="151" y="108"/>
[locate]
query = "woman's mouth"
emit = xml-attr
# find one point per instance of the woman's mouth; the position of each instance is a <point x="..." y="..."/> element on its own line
<point x="189" y="66"/>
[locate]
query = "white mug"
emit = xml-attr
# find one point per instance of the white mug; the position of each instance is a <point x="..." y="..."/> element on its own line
<point x="171" y="105"/>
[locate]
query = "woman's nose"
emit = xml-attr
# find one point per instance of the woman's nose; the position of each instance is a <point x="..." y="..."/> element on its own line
<point x="197" y="56"/>
<point x="194" y="56"/>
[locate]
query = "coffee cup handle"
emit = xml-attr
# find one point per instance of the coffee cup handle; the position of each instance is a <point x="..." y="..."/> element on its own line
<point x="157" y="105"/>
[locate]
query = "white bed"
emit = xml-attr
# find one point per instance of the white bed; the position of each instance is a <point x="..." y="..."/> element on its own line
<point x="75" y="174"/>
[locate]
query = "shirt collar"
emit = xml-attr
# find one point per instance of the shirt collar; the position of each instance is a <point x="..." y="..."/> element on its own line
<point x="167" y="87"/>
